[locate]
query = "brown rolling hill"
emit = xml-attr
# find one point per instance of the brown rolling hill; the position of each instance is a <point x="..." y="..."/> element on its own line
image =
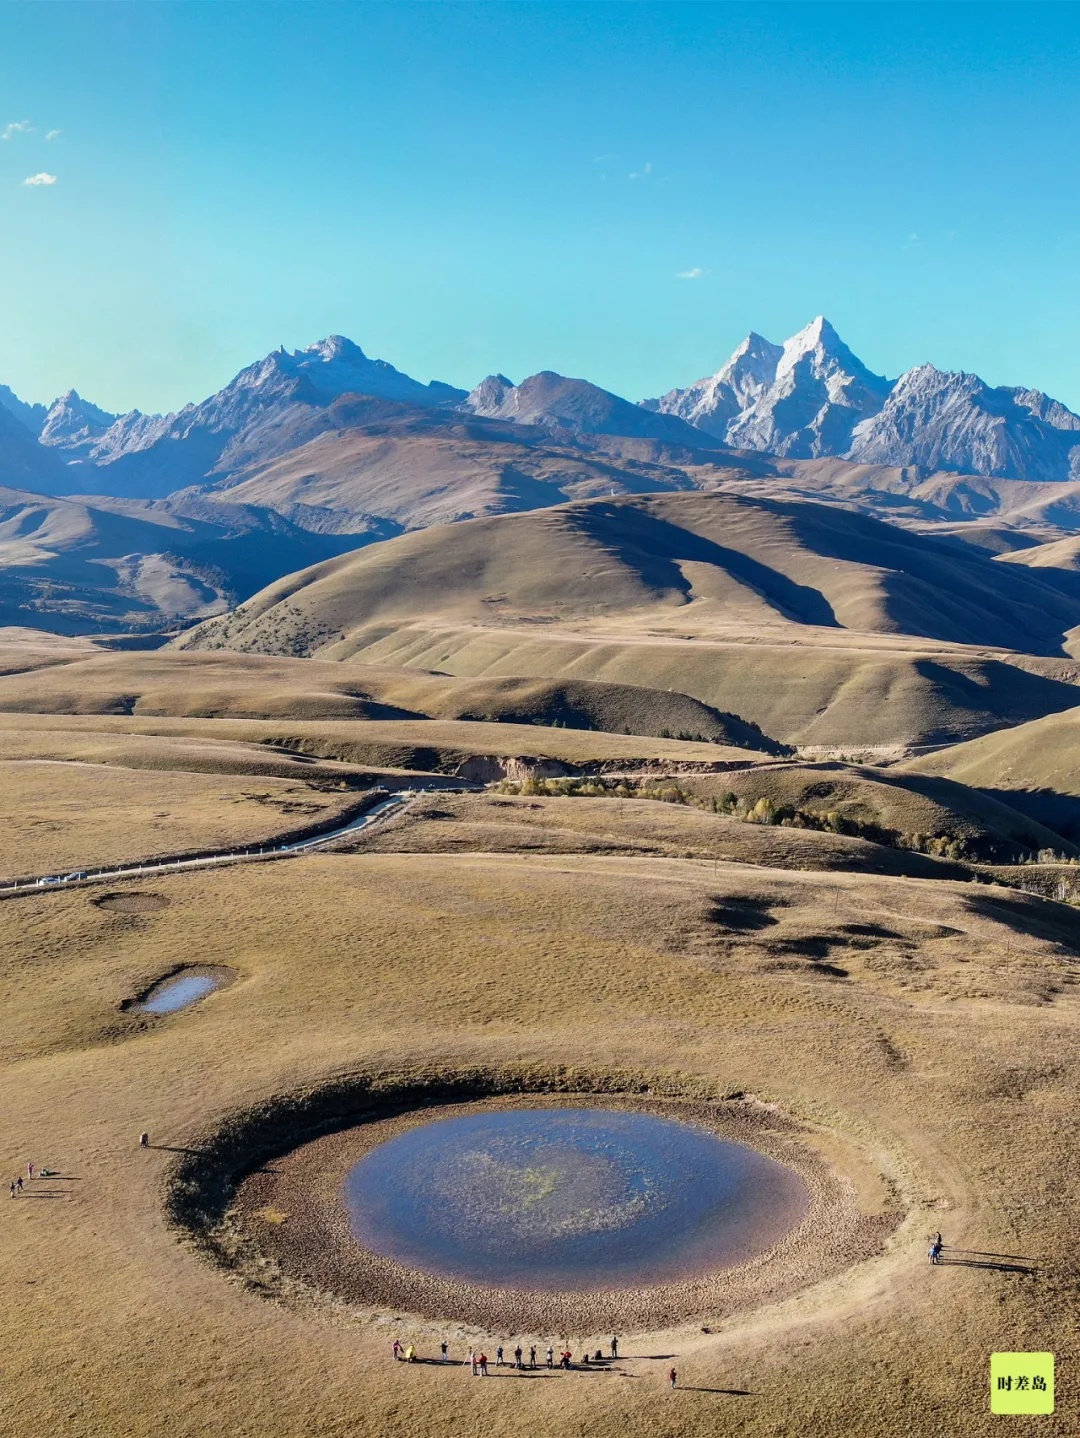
<point x="1034" y="767"/>
<point x="120" y="565"/>
<point x="1058" y="554"/>
<point x="898" y="807"/>
<point x="51" y="678"/>
<point x="693" y="561"/>
<point x="822" y="626"/>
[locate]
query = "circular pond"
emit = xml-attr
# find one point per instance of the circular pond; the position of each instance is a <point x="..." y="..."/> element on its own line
<point x="569" y="1199"/>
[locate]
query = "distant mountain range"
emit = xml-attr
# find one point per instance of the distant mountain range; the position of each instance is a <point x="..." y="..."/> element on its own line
<point x="305" y="454"/>
<point x="810" y="398"/>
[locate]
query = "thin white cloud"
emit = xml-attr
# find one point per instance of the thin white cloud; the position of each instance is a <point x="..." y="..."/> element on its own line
<point x="695" y="274"/>
<point x="912" y="242"/>
<point x="41" y="178"/>
<point x="16" y="127"/>
<point x="53" y="134"/>
<point x="643" y="173"/>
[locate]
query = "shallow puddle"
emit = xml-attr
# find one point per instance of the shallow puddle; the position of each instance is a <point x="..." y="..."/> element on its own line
<point x="569" y="1198"/>
<point x="180" y="990"/>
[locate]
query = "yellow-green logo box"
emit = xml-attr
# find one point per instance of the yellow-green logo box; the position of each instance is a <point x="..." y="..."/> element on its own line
<point x="1021" y="1383"/>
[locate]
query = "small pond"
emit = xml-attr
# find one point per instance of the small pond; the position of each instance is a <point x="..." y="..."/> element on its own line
<point x="181" y="989"/>
<point x="569" y="1198"/>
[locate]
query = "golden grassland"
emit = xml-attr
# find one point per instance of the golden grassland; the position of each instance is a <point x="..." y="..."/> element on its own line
<point x="60" y="816"/>
<point x="222" y="684"/>
<point x="429" y="744"/>
<point x="931" y="1024"/>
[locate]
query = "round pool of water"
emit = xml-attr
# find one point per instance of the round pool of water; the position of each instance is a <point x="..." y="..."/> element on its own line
<point x="569" y="1198"/>
<point x="180" y="990"/>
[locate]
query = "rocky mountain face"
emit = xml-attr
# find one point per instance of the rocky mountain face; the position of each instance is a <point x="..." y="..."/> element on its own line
<point x="956" y="422"/>
<point x="74" y="426"/>
<point x="576" y="407"/>
<point x="31" y="416"/>
<point x="253" y="416"/>
<point x="812" y="398"/>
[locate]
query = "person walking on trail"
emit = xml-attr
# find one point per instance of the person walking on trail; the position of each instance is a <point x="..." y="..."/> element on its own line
<point x="933" y="1253"/>
<point x="614" y="1345"/>
<point x="499" y="1356"/>
<point x="410" y="1354"/>
<point x="517" y="1357"/>
<point x="19" y="1183"/>
<point x="13" y="1195"/>
<point x="30" y="1170"/>
<point x="442" y="1349"/>
<point x="532" y="1356"/>
<point x="144" y="1140"/>
<point x="472" y="1361"/>
<point x="672" y="1377"/>
<point x="397" y="1350"/>
<point x="483" y="1365"/>
<point x="550" y="1350"/>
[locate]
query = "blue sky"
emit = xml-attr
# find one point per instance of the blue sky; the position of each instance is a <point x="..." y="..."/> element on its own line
<point x="469" y="187"/>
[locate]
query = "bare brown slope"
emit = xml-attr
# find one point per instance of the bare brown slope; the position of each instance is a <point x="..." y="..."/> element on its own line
<point x="1058" y="554"/>
<point x="420" y="467"/>
<point x="222" y="684"/>
<point x="899" y="808"/>
<point x="1034" y="767"/>
<point x="716" y="559"/>
<point x="105" y="565"/>
<point x="820" y="626"/>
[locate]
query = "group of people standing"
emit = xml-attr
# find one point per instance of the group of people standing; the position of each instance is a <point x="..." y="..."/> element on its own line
<point x="478" y="1361"/>
<point x="16" y="1186"/>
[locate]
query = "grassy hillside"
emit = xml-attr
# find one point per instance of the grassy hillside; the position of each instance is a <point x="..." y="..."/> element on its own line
<point x="82" y="679"/>
<point x="1033" y="767"/>
<point x="689" y="561"/>
<point x="1058" y="554"/>
<point x="930" y="814"/>
<point x="430" y="745"/>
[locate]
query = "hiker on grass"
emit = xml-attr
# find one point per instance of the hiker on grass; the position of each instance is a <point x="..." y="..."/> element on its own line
<point x="532" y="1356"/>
<point x="397" y="1350"/>
<point x="472" y="1361"/>
<point x="442" y="1349"/>
<point x="410" y="1354"/>
<point x="19" y="1183"/>
<point x="29" y="1170"/>
<point x="499" y="1356"/>
<point x="144" y="1140"/>
<point x="517" y="1357"/>
<point x="13" y="1195"/>
<point x="672" y="1377"/>
<point x="483" y="1365"/>
<point x="550" y="1350"/>
<point x="614" y="1345"/>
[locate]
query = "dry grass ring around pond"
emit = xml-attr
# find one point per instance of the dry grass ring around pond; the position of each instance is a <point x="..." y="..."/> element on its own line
<point x="139" y="902"/>
<point x="264" y="1198"/>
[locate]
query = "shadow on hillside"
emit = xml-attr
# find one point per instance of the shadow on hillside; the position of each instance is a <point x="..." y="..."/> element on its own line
<point x="655" y="548"/>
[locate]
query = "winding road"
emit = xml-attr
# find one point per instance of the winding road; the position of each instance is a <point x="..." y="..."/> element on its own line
<point x="393" y="804"/>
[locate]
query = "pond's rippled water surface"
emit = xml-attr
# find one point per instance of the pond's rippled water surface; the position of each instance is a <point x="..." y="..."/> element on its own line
<point x="569" y="1198"/>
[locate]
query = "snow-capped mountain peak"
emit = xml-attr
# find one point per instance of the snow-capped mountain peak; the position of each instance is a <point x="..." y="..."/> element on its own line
<point x="802" y="398"/>
<point x="74" y="425"/>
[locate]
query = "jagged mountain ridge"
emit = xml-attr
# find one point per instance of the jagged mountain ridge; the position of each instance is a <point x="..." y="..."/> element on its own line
<point x="808" y="399"/>
<point x="812" y="398"/>
<point x="554" y="402"/>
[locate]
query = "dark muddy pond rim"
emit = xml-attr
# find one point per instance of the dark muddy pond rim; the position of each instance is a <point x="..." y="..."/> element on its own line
<point x="201" y="981"/>
<point x="262" y="1197"/>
